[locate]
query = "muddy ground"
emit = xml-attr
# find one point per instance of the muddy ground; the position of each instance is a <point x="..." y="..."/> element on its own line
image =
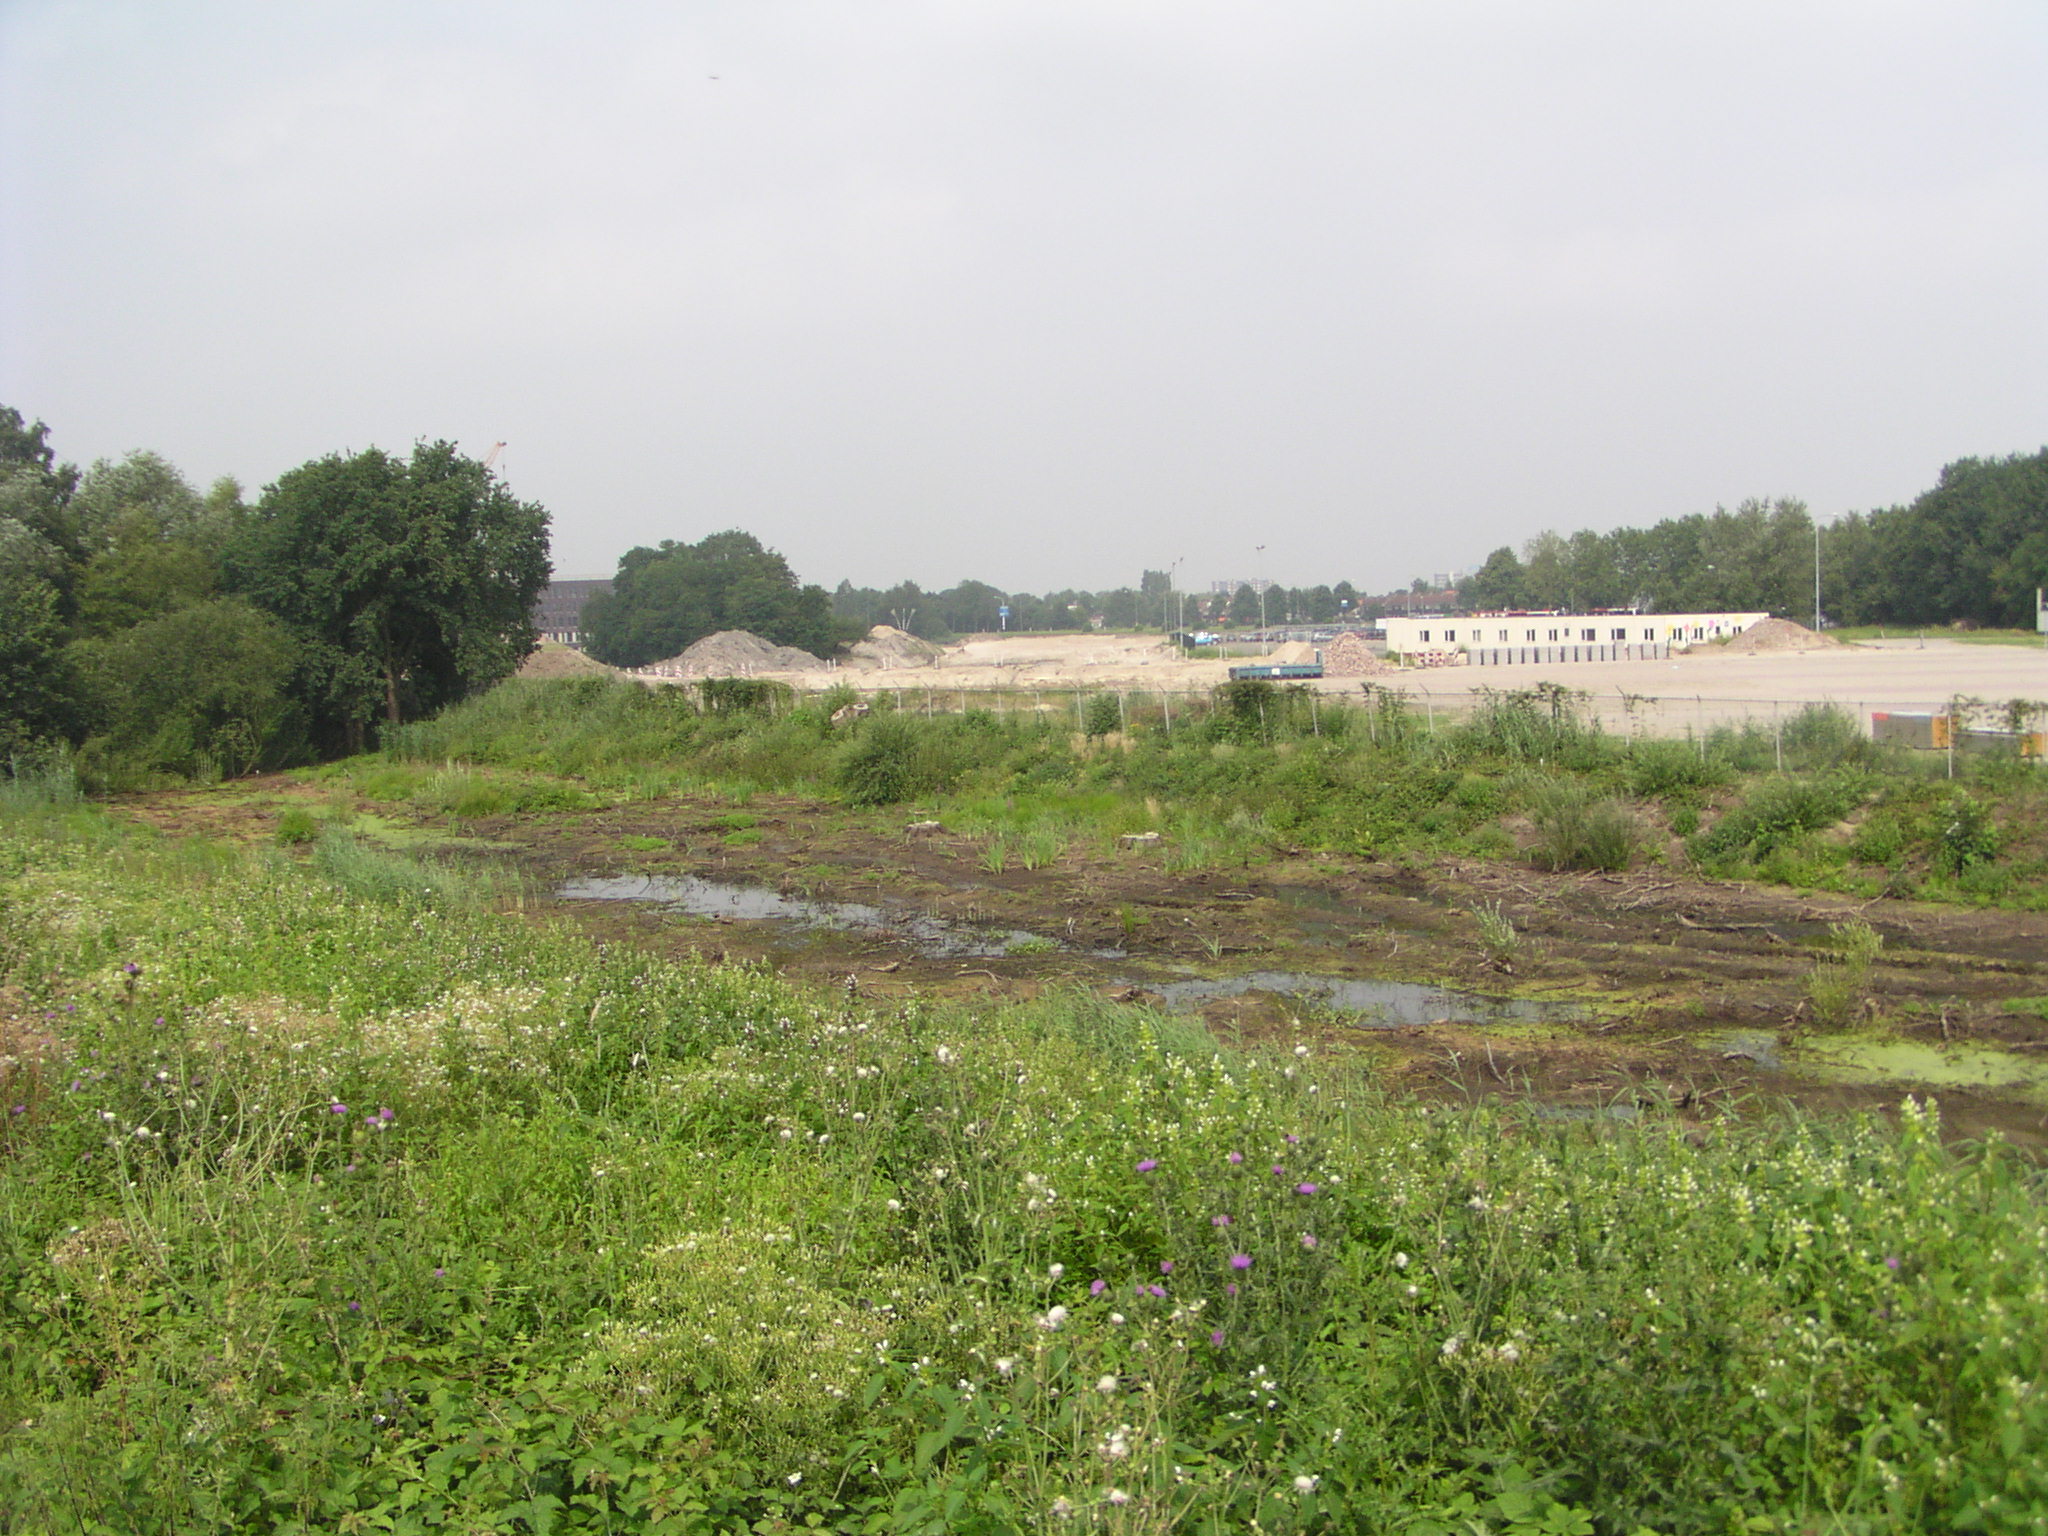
<point x="1629" y="989"/>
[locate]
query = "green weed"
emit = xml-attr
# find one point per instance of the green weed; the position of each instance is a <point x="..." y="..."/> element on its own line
<point x="509" y="1231"/>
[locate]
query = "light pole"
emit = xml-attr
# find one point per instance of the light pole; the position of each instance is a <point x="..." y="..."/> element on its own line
<point x="1816" y="575"/>
<point x="1166" y="607"/>
<point x="1266" y="646"/>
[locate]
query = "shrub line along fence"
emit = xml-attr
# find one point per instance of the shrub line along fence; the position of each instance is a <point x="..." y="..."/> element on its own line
<point x="1663" y="715"/>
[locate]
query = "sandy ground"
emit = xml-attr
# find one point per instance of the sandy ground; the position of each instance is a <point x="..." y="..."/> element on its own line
<point x="1711" y="686"/>
<point x="1707" y="687"/>
<point x="1691" y="691"/>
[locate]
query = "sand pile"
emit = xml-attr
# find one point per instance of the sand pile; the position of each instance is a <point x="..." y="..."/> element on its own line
<point x="1774" y="635"/>
<point x="1351" y="656"/>
<point x="557" y="660"/>
<point x="736" y="653"/>
<point x="1296" y="653"/>
<point x="888" y="648"/>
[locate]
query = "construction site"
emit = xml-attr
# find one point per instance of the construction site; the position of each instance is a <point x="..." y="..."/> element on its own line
<point x="1768" y="670"/>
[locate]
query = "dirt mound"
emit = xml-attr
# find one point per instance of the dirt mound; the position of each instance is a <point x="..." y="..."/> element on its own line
<point x="1351" y="656"/>
<point x="888" y="649"/>
<point x="1296" y="653"/>
<point x="556" y="660"/>
<point x="1776" y="635"/>
<point x="736" y="653"/>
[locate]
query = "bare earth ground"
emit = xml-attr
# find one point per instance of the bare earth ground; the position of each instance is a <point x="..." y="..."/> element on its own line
<point x="1690" y="992"/>
<point x="1697" y="690"/>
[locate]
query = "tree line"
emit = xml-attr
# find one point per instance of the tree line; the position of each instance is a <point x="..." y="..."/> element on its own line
<point x="975" y="607"/>
<point x="1971" y="550"/>
<point x="156" y="629"/>
<point x="665" y="598"/>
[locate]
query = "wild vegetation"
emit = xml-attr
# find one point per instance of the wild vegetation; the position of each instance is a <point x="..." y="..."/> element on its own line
<point x="1526" y="775"/>
<point x="157" y="633"/>
<point x="510" y="1233"/>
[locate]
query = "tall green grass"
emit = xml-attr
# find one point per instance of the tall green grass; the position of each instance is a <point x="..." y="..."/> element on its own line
<point x="328" y="1206"/>
<point x="1260" y="769"/>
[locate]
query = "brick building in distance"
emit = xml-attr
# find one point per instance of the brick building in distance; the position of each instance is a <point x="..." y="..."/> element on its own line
<point x="558" y="611"/>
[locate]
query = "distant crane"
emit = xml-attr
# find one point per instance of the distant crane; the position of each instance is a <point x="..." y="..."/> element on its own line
<point x="492" y="457"/>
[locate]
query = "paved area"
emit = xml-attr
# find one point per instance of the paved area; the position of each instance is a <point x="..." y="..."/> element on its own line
<point x="1711" y="687"/>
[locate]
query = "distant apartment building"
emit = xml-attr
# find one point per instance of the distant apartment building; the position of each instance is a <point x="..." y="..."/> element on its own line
<point x="1505" y="639"/>
<point x="558" y="611"/>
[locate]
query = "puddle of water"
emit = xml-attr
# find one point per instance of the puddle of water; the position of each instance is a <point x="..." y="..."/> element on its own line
<point x="1868" y="1059"/>
<point x="1856" y="1059"/>
<point x="929" y="935"/>
<point x="1379" y="1004"/>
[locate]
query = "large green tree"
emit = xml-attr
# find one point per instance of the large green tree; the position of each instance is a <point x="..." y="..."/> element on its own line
<point x="37" y="702"/>
<point x="201" y="690"/>
<point x="1500" y="583"/>
<point x="406" y="583"/>
<point x="1972" y="549"/>
<point x="664" y="600"/>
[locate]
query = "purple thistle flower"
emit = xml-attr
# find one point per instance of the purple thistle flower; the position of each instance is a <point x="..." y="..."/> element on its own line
<point x="1240" y="1261"/>
<point x="355" y="1306"/>
<point x="1230" y="1289"/>
<point x="1234" y="1159"/>
<point x="1166" y="1266"/>
<point x="1305" y="1189"/>
<point x="132" y="968"/>
<point x="1157" y="1291"/>
<point x="1096" y="1288"/>
<point x="1891" y="1262"/>
<point x="337" y="1108"/>
<point x="1216" y="1338"/>
<point x="1219" y="1221"/>
<point x="387" y="1114"/>
<point x="1308" y="1240"/>
<point x="439" y="1273"/>
<point x="1293" y="1141"/>
<point x="1279" y="1170"/>
<point x="1148" y="1165"/>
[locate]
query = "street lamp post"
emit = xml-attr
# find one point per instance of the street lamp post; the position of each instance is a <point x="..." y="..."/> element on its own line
<point x="1816" y="575"/>
<point x="1266" y="644"/>
<point x="1166" y="606"/>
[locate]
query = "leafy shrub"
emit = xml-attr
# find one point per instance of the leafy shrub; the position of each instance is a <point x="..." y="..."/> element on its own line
<point x="1577" y="828"/>
<point x="1968" y="835"/>
<point x="1547" y="723"/>
<point x="1102" y="715"/>
<point x="1778" y="811"/>
<point x="744" y="695"/>
<point x="1824" y="736"/>
<point x="1659" y="768"/>
<point x="296" y="825"/>
<point x="881" y="767"/>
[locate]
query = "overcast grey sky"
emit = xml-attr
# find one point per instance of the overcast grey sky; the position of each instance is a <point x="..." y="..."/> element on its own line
<point x="1041" y="292"/>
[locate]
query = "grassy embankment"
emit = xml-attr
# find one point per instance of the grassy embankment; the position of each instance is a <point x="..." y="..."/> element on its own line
<point x="1817" y="805"/>
<point x="331" y="1200"/>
